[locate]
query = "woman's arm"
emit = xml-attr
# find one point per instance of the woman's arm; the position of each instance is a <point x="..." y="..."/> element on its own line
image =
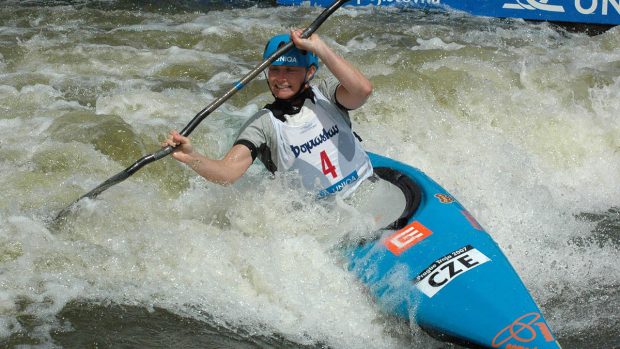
<point x="224" y="171"/>
<point x="354" y="87"/>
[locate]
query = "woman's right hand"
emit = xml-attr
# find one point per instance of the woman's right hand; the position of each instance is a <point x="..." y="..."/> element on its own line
<point x="183" y="150"/>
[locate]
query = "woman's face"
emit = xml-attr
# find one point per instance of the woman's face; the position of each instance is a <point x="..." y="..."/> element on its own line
<point x="285" y="82"/>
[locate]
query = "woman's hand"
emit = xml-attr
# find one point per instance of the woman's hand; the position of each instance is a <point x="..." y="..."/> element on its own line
<point x="183" y="150"/>
<point x="355" y="88"/>
<point x="310" y="44"/>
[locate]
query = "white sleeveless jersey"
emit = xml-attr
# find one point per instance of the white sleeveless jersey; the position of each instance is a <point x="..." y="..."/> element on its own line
<point x="322" y="148"/>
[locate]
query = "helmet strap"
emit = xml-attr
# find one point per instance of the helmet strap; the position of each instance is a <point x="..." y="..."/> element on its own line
<point x="306" y="79"/>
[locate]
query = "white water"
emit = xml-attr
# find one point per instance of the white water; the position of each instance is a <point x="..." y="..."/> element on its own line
<point x="520" y="122"/>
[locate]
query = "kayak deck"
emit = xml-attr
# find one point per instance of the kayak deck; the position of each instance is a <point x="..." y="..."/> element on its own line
<point x="443" y="271"/>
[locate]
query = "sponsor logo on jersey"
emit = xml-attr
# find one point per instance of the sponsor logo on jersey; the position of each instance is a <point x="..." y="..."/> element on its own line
<point x="439" y="274"/>
<point x="314" y="142"/>
<point x="403" y="239"/>
<point x="352" y="177"/>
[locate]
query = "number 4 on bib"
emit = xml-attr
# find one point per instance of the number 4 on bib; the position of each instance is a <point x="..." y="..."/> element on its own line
<point x="326" y="164"/>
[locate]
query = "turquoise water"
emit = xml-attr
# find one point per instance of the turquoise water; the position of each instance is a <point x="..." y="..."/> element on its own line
<point x="518" y="120"/>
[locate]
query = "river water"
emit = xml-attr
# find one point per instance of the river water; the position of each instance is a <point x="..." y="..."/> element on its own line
<point x="519" y="121"/>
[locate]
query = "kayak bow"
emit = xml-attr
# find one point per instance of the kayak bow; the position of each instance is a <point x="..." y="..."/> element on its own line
<point x="441" y="269"/>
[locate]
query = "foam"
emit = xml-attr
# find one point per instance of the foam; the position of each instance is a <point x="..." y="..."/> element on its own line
<point x="522" y="131"/>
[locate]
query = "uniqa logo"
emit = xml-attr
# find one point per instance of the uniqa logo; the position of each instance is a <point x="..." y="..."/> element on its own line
<point x="315" y="142"/>
<point x="594" y="4"/>
<point x="584" y="10"/>
<point x="534" y="5"/>
<point x="287" y="59"/>
<point x="404" y="2"/>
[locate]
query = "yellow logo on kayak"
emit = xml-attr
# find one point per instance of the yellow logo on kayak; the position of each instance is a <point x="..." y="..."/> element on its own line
<point x="444" y="198"/>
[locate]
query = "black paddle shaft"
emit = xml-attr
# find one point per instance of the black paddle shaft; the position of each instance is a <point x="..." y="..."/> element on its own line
<point x="147" y="159"/>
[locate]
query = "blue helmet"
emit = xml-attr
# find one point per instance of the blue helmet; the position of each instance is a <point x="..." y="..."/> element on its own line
<point x="294" y="57"/>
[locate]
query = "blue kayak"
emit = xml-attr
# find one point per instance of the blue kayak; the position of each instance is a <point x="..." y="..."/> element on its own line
<point x="438" y="267"/>
<point x="595" y="12"/>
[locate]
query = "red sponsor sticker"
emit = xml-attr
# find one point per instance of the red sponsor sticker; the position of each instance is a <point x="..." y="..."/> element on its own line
<point x="403" y="239"/>
<point x="522" y="331"/>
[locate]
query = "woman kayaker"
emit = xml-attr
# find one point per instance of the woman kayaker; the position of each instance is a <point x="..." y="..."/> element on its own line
<point x="307" y="128"/>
